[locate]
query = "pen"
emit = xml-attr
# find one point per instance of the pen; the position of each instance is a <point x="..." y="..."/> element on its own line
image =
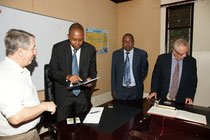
<point x="94" y="112"/>
<point x="167" y="107"/>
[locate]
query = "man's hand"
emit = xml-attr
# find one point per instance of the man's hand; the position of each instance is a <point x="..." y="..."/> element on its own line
<point x="188" y="101"/>
<point x="153" y="94"/>
<point x="90" y="84"/>
<point x="113" y="93"/>
<point x="73" y="78"/>
<point x="49" y="106"/>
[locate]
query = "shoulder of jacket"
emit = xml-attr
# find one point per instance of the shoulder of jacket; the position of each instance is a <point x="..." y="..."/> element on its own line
<point x="62" y="43"/>
<point x="165" y="55"/>
<point x="139" y="50"/>
<point x="190" y="58"/>
<point x="118" y="51"/>
<point x="88" y="46"/>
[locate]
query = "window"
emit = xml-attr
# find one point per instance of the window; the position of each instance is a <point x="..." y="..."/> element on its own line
<point x="179" y="24"/>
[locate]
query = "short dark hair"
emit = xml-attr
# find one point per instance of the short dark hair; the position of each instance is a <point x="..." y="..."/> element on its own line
<point x="76" y="26"/>
<point x="128" y="34"/>
<point x="15" y="39"/>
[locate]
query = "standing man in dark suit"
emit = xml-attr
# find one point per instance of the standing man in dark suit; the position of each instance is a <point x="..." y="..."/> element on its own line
<point x="129" y="67"/>
<point x="65" y="54"/>
<point x="164" y="71"/>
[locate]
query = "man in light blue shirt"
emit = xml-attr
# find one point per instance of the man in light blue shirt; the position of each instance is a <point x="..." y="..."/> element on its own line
<point x="129" y="67"/>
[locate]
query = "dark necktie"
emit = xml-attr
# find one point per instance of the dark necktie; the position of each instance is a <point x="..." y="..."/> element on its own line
<point x="75" y="71"/>
<point x="127" y="73"/>
<point x="175" y="82"/>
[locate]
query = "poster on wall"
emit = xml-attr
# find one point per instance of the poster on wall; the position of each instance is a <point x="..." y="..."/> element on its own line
<point x="98" y="38"/>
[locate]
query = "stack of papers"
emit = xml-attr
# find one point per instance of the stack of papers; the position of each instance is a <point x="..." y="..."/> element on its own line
<point x="94" y="115"/>
<point x="179" y="114"/>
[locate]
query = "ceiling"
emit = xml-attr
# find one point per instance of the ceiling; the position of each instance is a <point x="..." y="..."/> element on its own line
<point x="118" y="1"/>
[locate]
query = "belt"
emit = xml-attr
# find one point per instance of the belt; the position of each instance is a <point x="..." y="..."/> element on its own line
<point x="128" y="86"/>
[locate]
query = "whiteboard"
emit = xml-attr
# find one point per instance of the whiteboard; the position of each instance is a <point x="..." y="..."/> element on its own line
<point x="47" y="31"/>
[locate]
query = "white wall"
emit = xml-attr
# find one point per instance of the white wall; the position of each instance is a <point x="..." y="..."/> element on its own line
<point x="201" y="50"/>
<point x="201" y="47"/>
<point x="47" y="31"/>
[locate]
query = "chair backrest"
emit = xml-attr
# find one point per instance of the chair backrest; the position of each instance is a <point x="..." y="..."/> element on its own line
<point x="48" y="85"/>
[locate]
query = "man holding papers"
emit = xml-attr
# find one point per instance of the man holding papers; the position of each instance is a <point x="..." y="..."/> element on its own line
<point x="72" y="61"/>
<point x="175" y="75"/>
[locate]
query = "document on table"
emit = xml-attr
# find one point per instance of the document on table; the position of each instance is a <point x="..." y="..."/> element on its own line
<point x="94" y="115"/>
<point x="179" y="114"/>
<point x="82" y="83"/>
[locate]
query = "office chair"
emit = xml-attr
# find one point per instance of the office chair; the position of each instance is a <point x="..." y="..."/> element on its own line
<point x="48" y="119"/>
<point x="49" y="96"/>
<point x="49" y="85"/>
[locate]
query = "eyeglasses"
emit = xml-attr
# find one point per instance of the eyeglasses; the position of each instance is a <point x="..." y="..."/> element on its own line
<point x="181" y="54"/>
<point x="129" y="42"/>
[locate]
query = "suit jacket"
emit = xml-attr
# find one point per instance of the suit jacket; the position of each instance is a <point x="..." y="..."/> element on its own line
<point x="61" y="66"/>
<point x="140" y="68"/>
<point x="161" y="78"/>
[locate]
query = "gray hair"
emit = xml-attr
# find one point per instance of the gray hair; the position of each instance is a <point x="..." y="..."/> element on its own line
<point x="15" y="39"/>
<point x="179" y="42"/>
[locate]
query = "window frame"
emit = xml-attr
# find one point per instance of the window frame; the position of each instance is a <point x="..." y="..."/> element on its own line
<point x="190" y="27"/>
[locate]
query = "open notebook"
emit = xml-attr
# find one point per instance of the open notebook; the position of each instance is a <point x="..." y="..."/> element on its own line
<point x="179" y="114"/>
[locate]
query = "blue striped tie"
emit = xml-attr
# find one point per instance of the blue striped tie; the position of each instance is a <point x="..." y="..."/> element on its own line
<point x="127" y="73"/>
<point x="75" y="71"/>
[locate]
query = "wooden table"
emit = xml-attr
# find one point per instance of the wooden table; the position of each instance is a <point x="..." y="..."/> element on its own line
<point x="139" y="126"/>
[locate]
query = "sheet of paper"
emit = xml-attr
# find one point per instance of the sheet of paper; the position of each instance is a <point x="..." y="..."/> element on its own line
<point x="162" y="111"/>
<point x="189" y="116"/>
<point x="94" y="115"/>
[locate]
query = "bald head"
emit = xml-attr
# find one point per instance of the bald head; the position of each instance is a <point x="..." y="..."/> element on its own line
<point x="76" y="26"/>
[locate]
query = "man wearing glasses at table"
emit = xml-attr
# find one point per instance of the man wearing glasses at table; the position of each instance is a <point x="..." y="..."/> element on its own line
<point x="175" y="75"/>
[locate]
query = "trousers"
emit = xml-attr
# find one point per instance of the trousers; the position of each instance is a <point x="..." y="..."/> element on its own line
<point x="30" y="135"/>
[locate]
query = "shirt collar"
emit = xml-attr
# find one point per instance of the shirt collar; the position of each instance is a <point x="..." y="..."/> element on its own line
<point x="131" y="51"/>
<point x="72" y="48"/>
<point x="16" y="66"/>
<point x="174" y="59"/>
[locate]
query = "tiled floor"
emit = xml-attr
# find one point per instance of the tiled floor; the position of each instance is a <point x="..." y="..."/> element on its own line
<point x="46" y="136"/>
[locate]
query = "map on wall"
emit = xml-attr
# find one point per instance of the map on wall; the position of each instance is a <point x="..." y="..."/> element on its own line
<point x="98" y="38"/>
